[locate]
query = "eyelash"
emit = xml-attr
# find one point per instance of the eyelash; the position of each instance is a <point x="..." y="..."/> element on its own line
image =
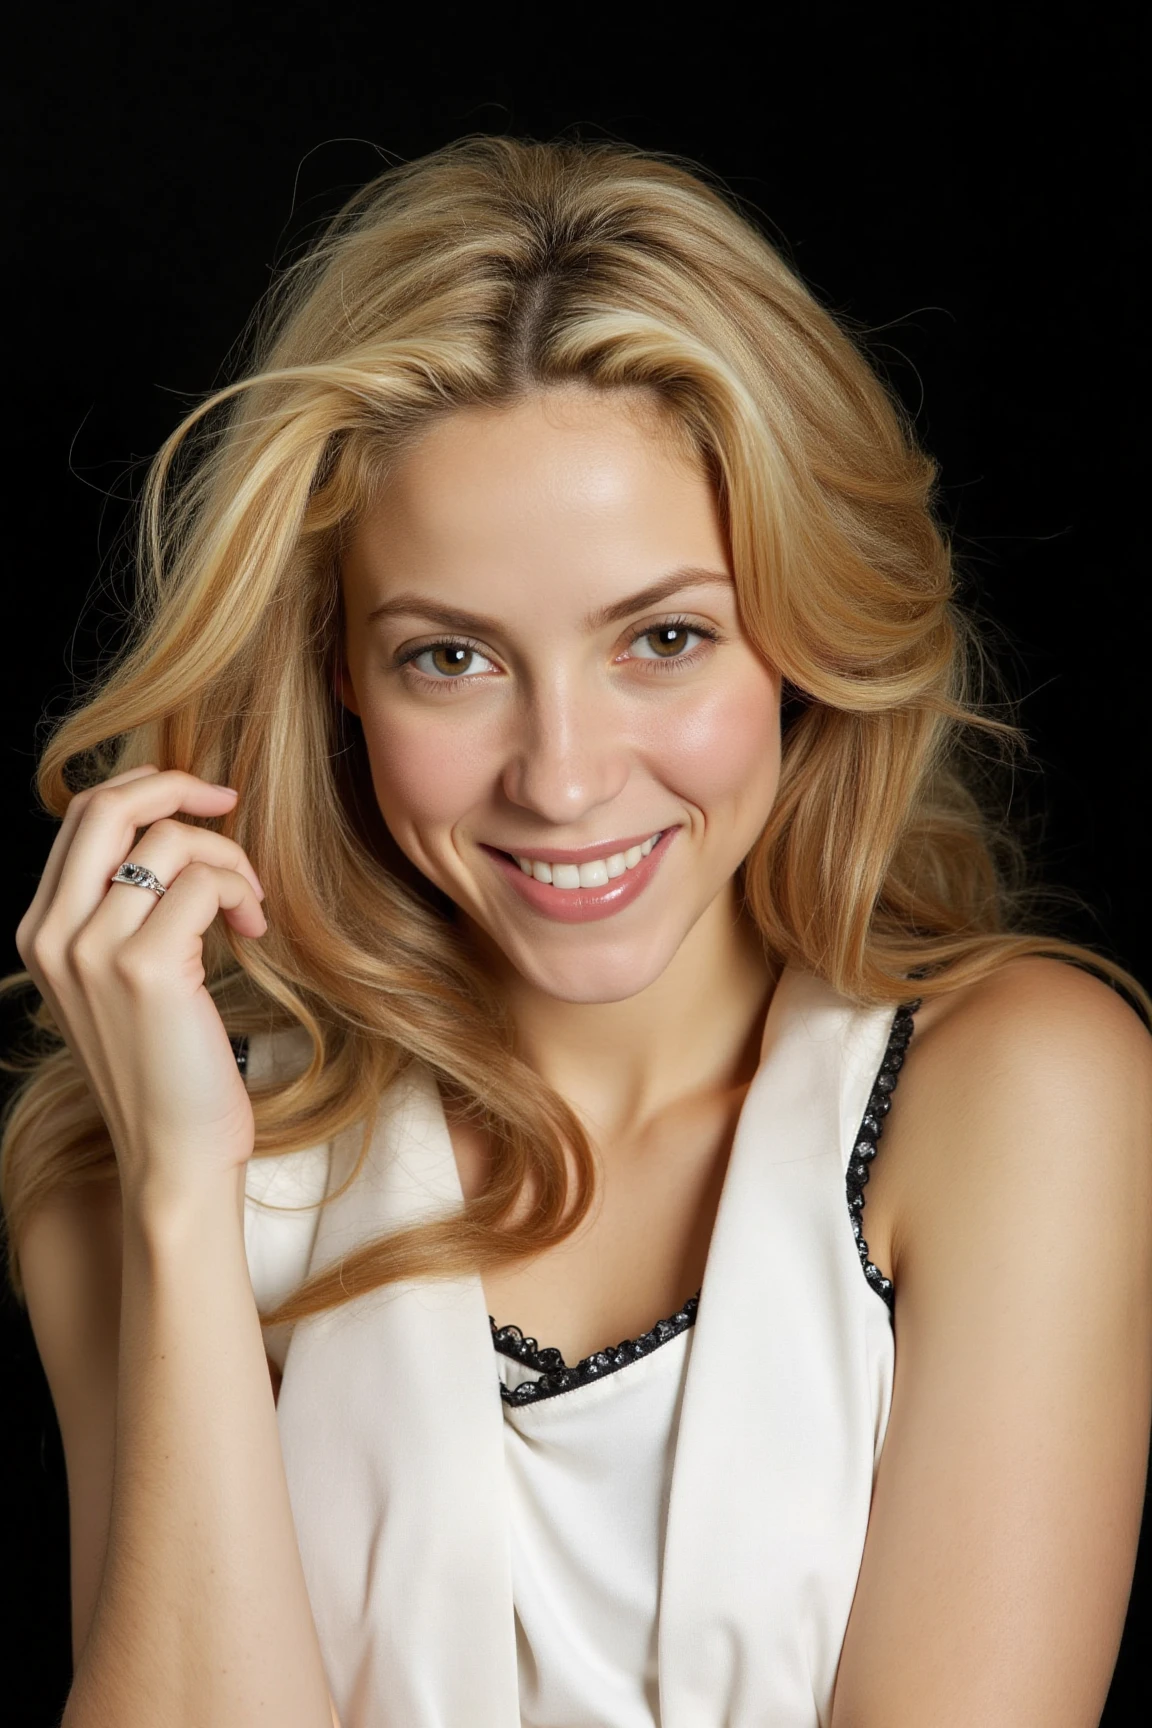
<point x="656" y="664"/>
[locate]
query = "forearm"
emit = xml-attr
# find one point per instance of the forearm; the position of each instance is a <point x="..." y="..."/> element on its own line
<point x="203" y="1613"/>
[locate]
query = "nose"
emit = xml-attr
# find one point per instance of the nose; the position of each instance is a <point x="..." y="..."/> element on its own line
<point x="569" y="754"/>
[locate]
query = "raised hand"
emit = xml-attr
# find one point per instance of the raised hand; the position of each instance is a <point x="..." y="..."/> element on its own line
<point x="122" y="971"/>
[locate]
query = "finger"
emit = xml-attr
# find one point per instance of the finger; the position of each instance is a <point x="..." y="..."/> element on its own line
<point x="167" y="849"/>
<point x="188" y="908"/>
<point x="107" y="829"/>
<point x="50" y="875"/>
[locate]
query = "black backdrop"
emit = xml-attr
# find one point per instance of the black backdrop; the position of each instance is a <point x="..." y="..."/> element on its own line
<point x="963" y="184"/>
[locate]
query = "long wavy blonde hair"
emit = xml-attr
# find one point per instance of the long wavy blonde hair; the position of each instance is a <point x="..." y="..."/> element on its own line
<point x="491" y="268"/>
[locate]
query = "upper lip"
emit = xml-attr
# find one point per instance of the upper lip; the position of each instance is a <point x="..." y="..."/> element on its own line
<point x="577" y="854"/>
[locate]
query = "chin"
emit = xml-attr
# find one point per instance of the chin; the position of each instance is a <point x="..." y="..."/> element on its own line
<point x="603" y="972"/>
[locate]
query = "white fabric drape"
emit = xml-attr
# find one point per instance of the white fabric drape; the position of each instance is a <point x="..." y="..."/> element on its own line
<point x="392" y="1428"/>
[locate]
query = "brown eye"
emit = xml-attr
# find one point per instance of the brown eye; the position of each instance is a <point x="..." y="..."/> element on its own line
<point x="668" y="640"/>
<point x="451" y="657"/>
<point x="675" y="639"/>
<point x="448" y="662"/>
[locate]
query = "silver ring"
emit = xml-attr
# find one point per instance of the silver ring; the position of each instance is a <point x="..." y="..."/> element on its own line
<point x="139" y="876"/>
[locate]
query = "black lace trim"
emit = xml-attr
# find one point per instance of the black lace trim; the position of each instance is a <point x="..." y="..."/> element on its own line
<point x="869" y="1134"/>
<point x="555" y="1374"/>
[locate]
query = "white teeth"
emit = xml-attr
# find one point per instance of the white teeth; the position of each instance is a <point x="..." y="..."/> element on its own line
<point x="595" y="874"/>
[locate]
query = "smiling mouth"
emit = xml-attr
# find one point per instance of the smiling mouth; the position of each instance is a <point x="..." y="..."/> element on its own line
<point x="593" y="873"/>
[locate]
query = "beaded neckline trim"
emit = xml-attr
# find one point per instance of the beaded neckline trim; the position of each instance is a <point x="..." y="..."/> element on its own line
<point x="555" y="1374"/>
<point x="869" y="1134"/>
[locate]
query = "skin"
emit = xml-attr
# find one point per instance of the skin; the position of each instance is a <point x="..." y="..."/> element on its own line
<point x="1012" y="1203"/>
<point x="563" y="731"/>
<point x="1007" y="1503"/>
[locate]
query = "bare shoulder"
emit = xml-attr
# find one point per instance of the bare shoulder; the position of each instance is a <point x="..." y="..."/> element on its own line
<point x="1038" y="1074"/>
<point x="1035" y="1007"/>
<point x="1007" y="1502"/>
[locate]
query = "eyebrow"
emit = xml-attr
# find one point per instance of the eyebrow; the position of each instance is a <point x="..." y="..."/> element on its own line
<point x="452" y="618"/>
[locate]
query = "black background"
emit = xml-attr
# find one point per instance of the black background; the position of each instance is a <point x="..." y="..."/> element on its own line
<point x="964" y="184"/>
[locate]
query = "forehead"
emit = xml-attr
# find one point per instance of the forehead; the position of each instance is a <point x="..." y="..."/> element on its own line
<point x="571" y="488"/>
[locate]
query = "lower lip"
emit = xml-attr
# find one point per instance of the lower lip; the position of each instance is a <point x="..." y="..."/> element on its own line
<point x="582" y="905"/>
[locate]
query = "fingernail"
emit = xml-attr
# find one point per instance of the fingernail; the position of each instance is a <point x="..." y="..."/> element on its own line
<point x="221" y="788"/>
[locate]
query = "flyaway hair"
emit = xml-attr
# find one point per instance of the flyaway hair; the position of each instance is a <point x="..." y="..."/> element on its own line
<point x="486" y="270"/>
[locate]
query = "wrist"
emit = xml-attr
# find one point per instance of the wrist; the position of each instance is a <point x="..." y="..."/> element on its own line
<point x="161" y="1210"/>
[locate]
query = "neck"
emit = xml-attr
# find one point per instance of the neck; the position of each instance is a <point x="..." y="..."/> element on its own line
<point x="695" y="1030"/>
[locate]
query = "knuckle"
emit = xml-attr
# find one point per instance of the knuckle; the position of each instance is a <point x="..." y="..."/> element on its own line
<point x="125" y="965"/>
<point x="95" y="802"/>
<point x="134" y="966"/>
<point x="25" y="938"/>
<point x="167" y="828"/>
<point x="197" y="872"/>
<point x="85" y="954"/>
<point x="41" y="951"/>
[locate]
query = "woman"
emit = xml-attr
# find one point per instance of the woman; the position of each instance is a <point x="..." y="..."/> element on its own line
<point x="552" y="645"/>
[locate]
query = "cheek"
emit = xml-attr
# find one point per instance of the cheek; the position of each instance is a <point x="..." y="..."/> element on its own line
<point x="723" y="753"/>
<point x="428" y="771"/>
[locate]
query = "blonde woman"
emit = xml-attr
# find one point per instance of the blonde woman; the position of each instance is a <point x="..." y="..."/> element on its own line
<point x="556" y="1189"/>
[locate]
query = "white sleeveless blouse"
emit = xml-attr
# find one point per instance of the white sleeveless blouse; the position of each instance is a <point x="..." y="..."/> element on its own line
<point x="674" y="1544"/>
<point x="589" y="1474"/>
